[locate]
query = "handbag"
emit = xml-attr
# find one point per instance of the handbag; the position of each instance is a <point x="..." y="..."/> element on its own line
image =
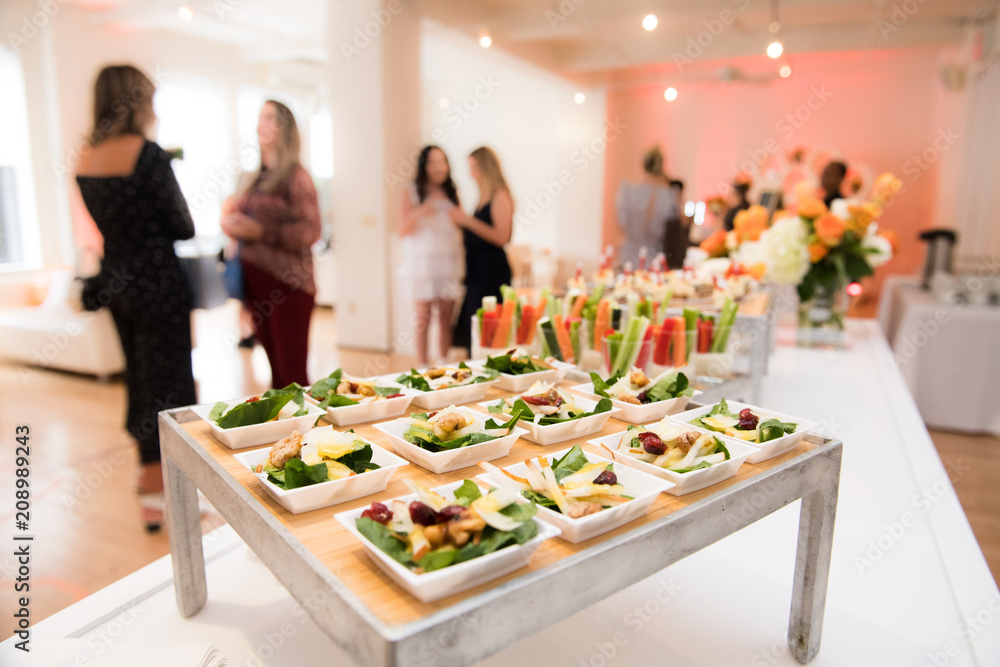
<point x="232" y="274"/>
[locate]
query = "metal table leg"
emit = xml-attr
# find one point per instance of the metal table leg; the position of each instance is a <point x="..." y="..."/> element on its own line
<point x="812" y="571"/>
<point x="184" y="531"/>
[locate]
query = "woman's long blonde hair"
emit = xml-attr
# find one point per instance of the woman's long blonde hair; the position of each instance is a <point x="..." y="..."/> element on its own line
<point x="489" y="168"/>
<point x="288" y="147"/>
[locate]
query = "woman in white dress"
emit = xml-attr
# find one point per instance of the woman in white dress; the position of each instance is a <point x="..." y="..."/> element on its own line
<point x="430" y="267"/>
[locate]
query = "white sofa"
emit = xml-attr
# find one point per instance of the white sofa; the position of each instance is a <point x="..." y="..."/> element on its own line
<point x="53" y="334"/>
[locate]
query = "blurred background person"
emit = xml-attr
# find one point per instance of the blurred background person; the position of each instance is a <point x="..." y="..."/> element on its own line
<point x="831" y="180"/>
<point x="132" y="194"/>
<point x="484" y="235"/>
<point x="678" y="229"/>
<point x="643" y="209"/>
<point x="741" y="188"/>
<point x="276" y="218"/>
<point x="429" y="267"/>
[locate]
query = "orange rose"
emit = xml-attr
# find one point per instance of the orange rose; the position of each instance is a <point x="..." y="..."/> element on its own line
<point x="829" y="229"/>
<point x="715" y="245"/>
<point x="817" y="251"/>
<point x="757" y="270"/>
<point x="750" y="223"/>
<point x="811" y="207"/>
<point x="886" y="187"/>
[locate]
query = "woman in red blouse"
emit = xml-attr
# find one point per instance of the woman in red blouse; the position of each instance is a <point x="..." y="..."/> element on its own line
<point x="277" y="219"/>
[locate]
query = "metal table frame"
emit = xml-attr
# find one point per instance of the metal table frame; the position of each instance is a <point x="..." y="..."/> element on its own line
<point x="483" y="624"/>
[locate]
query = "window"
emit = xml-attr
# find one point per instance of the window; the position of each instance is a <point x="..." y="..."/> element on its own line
<point x="193" y="114"/>
<point x="19" y="234"/>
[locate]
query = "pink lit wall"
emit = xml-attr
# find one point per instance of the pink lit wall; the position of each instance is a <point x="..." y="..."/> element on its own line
<point x="884" y="108"/>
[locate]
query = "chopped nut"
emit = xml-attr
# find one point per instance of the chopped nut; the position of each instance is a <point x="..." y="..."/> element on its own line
<point x="685" y="440"/>
<point x="583" y="509"/>
<point x="638" y="378"/>
<point x="284" y="449"/>
<point x="628" y="398"/>
<point x="434" y="373"/>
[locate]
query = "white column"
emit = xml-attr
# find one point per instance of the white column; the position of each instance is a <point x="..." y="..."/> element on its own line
<point x="374" y="75"/>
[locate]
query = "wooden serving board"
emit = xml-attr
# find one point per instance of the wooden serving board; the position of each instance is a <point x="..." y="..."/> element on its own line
<point x="346" y="557"/>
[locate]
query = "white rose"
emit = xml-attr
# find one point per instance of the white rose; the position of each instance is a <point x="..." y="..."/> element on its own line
<point x="787" y="252"/>
<point x="873" y="241"/>
<point x="839" y="207"/>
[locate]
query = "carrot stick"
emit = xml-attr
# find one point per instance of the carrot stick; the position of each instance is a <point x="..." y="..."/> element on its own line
<point x="506" y="320"/>
<point x="680" y="342"/>
<point x="578" y="305"/>
<point x="601" y="321"/>
<point x="562" y="336"/>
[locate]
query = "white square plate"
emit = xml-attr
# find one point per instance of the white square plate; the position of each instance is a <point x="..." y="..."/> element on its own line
<point x="520" y="383"/>
<point x="766" y="450"/>
<point x="637" y="414"/>
<point x="642" y="487"/>
<point x="452" y="459"/>
<point x="442" y="398"/>
<point x="241" y="437"/>
<point x="331" y="492"/>
<point x="431" y="586"/>
<point x="688" y="481"/>
<point x="346" y="415"/>
<point x="553" y="433"/>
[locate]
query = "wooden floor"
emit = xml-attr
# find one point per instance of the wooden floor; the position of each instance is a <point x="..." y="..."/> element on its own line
<point x="85" y="512"/>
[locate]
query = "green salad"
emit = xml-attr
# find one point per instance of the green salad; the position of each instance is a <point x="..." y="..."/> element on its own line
<point x="340" y="389"/>
<point x="321" y="455"/>
<point x="271" y="405"/>
<point x="517" y="362"/>
<point x="545" y="404"/>
<point x="745" y="425"/>
<point x="634" y="387"/>
<point x="434" y="532"/>
<point x="445" y="377"/>
<point x="452" y="428"/>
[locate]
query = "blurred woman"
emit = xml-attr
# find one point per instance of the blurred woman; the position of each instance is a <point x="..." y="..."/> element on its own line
<point x="484" y="234"/>
<point x="131" y="193"/>
<point x="832" y="180"/>
<point x="277" y="219"/>
<point x="643" y="209"/>
<point x="429" y="249"/>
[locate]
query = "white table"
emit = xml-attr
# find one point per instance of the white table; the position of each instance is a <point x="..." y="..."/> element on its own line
<point x="949" y="355"/>
<point x="906" y="568"/>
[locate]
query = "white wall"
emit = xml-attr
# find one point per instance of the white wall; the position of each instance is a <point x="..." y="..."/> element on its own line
<point x="60" y="64"/>
<point x="528" y="116"/>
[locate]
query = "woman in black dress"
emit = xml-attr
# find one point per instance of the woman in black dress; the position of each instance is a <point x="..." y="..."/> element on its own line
<point x="130" y="191"/>
<point x="484" y="235"/>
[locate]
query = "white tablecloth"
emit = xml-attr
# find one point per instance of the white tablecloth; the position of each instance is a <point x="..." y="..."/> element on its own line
<point x="949" y="356"/>
<point x="905" y="573"/>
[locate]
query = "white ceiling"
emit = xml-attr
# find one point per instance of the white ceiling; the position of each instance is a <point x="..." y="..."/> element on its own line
<point x="591" y="41"/>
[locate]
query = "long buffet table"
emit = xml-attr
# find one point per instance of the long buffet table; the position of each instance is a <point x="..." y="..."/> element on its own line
<point x="905" y="571"/>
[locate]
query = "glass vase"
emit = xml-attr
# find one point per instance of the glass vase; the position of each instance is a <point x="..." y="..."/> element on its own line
<point x="822" y="318"/>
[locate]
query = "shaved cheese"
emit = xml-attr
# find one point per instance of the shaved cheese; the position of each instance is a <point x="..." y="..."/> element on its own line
<point x="401" y="521"/>
<point x="426" y="496"/>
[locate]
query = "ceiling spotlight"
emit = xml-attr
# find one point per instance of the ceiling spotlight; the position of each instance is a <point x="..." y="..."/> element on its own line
<point x="444" y="103"/>
<point x="775" y="49"/>
<point x="649" y="22"/>
<point x="186" y="13"/>
<point x="670" y="94"/>
<point x="579" y="98"/>
<point x="785" y="71"/>
<point x="485" y="41"/>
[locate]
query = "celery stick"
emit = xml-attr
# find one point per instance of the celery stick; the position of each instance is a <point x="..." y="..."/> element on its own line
<point x="727" y="317"/>
<point x="614" y="343"/>
<point x="574" y="337"/>
<point x="690" y="325"/>
<point x="489" y="303"/>
<point x="631" y="340"/>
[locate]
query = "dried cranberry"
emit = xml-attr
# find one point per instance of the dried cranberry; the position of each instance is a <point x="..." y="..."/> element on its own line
<point x="394" y="396"/>
<point x="536" y="400"/>
<point x="748" y="420"/>
<point x="607" y="477"/>
<point x="253" y="399"/>
<point x="450" y="512"/>
<point x="378" y="512"/>
<point x="642" y="397"/>
<point x="422" y="514"/>
<point x="652" y="443"/>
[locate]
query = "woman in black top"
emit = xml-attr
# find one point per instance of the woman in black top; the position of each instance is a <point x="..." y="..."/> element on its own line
<point x="484" y="235"/>
<point x="130" y="191"/>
